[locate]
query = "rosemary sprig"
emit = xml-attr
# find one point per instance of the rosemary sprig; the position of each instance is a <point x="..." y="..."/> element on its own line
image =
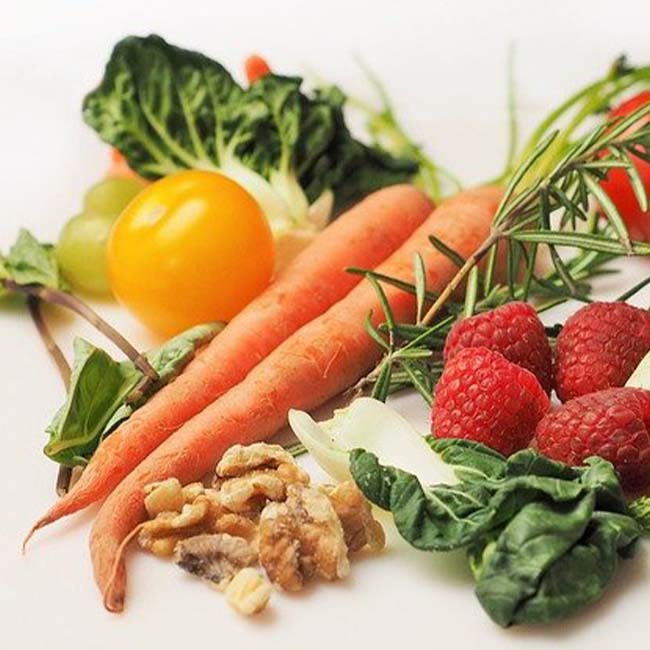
<point x="543" y="205"/>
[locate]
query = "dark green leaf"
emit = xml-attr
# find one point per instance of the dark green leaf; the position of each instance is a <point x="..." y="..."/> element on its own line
<point x="543" y="539"/>
<point x="166" y="109"/>
<point x="448" y="252"/>
<point x="640" y="510"/>
<point x="471" y="460"/>
<point x="533" y="540"/>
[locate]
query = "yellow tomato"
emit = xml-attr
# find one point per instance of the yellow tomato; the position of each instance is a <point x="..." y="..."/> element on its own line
<point x="192" y="247"/>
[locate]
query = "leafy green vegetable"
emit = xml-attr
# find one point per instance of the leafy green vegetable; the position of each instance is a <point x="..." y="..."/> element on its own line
<point x="640" y="509"/>
<point x="543" y="538"/>
<point x="101" y="388"/>
<point x="30" y="262"/>
<point x="167" y="109"/>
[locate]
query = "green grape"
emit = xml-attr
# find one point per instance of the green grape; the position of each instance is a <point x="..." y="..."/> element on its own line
<point x="81" y="252"/>
<point x="110" y="196"/>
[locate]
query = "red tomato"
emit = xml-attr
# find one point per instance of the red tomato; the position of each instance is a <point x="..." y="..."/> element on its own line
<point x="617" y="184"/>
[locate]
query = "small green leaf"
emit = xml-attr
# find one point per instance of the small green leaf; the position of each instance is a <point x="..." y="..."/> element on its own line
<point x="609" y="208"/>
<point x="640" y="191"/>
<point x="385" y="305"/>
<point x="584" y="241"/>
<point x="30" y="262"/>
<point x="447" y="251"/>
<point x="471" y="292"/>
<point x="419" y="273"/>
<point x="417" y="381"/>
<point x="374" y="334"/>
<point x="100" y="388"/>
<point x="382" y="385"/>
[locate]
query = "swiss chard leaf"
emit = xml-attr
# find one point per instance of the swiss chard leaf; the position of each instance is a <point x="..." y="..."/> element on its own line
<point x="167" y="109"/>
<point x="543" y="539"/>
<point x="99" y="387"/>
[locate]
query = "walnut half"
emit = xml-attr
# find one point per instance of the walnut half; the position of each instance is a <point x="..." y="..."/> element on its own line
<point x="249" y="477"/>
<point x="216" y="558"/>
<point x="302" y="537"/>
<point x="360" y="527"/>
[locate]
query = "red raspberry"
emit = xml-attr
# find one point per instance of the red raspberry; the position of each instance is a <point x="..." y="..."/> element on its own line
<point x="611" y="423"/>
<point x="599" y="347"/>
<point x="515" y="331"/>
<point x="481" y="396"/>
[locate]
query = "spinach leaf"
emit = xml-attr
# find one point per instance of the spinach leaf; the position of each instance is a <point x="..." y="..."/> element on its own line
<point x="30" y="262"/>
<point x="471" y="461"/>
<point x="640" y="510"/>
<point x="98" y="401"/>
<point x="577" y="577"/>
<point x="532" y="541"/>
<point x="167" y="109"/>
<point x="543" y="539"/>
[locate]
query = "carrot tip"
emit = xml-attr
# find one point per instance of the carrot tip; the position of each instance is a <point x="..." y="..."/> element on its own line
<point x="37" y="526"/>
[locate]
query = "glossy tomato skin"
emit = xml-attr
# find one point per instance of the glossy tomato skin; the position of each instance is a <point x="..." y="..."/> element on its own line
<point x="190" y="248"/>
<point x="617" y="184"/>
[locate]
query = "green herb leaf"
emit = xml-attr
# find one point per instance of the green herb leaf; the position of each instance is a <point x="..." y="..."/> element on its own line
<point x="30" y="262"/>
<point x="100" y="388"/>
<point x="419" y="274"/>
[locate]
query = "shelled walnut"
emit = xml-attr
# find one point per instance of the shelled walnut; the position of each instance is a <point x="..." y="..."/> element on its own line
<point x="301" y="538"/>
<point x="259" y="510"/>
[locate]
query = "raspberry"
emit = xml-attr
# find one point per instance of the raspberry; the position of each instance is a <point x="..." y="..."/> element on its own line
<point x="599" y="347"/>
<point x="515" y="331"/>
<point x="611" y="423"/>
<point x="481" y="396"/>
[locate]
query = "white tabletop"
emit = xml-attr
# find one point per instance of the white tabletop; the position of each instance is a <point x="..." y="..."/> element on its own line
<point x="444" y="63"/>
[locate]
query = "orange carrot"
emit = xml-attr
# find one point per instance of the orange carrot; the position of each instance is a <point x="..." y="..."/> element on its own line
<point x="256" y="67"/>
<point x="119" y="167"/>
<point x="315" y="280"/>
<point x="318" y="361"/>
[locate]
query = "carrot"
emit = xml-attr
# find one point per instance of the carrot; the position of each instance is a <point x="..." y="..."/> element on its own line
<point x="119" y="167"/>
<point x="256" y="67"/>
<point x="318" y="361"/>
<point x="315" y="280"/>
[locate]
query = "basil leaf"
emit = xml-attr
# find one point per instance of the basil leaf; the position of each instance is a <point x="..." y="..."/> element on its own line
<point x="99" y="388"/>
<point x="30" y="262"/>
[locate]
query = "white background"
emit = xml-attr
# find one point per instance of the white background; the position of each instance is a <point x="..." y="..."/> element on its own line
<point x="444" y="63"/>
